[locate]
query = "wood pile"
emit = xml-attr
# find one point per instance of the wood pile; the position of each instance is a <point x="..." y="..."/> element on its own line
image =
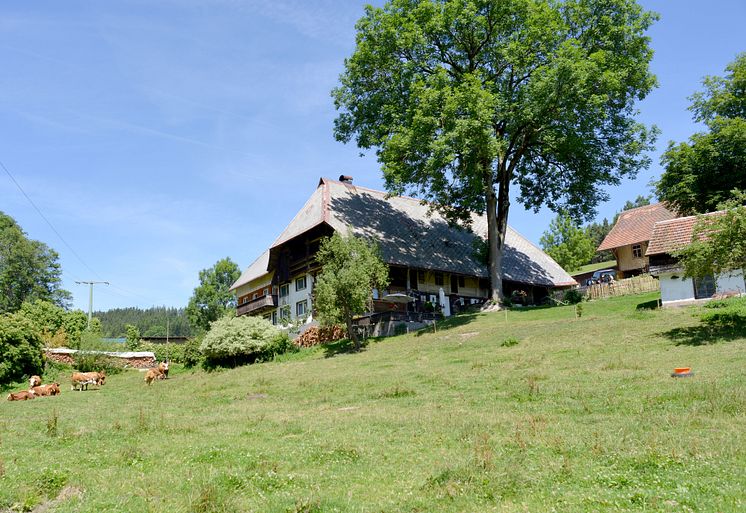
<point x="316" y="335"/>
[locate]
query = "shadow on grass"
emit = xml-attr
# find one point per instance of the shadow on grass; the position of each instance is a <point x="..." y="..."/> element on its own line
<point x="449" y="323"/>
<point x="704" y="334"/>
<point x="344" y="346"/>
<point x="647" y="305"/>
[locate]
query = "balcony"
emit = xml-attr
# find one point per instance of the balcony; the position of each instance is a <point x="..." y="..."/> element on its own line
<point x="257" y="305"/>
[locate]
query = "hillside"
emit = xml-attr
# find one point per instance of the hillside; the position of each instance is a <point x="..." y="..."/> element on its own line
<point x="154" y="321"/>
<point x="579" y="415"/>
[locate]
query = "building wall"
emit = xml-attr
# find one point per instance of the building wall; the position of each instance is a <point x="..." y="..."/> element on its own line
<point x="626" y="260"/>
<point x="247" y="290"/>
<point x="294" y="296"/>
<point x="682" y="289"/>
<point x="733" y="281"/>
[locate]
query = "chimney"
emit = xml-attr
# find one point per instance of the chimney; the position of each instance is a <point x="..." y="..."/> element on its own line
<point x="345" y="179"/>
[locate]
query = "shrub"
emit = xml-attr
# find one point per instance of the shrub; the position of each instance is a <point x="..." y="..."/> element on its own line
<point x="573" y="296"/>
<point x="192" y="355"/>
<point x="234" y="341"/>
<point x="96" y="362"/>
<point x="509" y="342"/>
<point x="726" y="314"/>
<point x="20" y="348"/>
<point x="170" y="351"/>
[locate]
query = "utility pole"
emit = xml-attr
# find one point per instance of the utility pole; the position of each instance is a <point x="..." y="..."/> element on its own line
<point x="90" y="296"/>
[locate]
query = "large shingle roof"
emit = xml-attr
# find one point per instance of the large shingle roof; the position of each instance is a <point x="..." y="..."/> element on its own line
<point x="635" y="225"/>
<point x="671" y="235"/>
<point x="409" y="235"/>
<point x="257" y="268"/>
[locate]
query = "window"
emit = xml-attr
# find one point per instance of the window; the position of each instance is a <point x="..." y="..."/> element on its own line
<point x="244" y="300"/>
<point x="301" y="307"/>
<point x="285" y="313"/>
<point x="704" y="287"/>
<point x="439" y="278"/>
<point x="637" y="250"/>
<point x="274" y="317"/>
<point x="461" y="281"/>
<point x="266" y="292"/>
<point x="254" y="295"/>
<point x="300" y="283"/>
<point x="284" y="290"/>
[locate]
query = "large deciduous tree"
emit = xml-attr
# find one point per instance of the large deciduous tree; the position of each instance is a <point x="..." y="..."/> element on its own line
<point x="29" y="269"/>
<point x="350" y="269"/>
<point x="212" y="299"/>
<point x="567" y="243"/>
<point x="462" y="99"/>
<point x="701" y="173"/>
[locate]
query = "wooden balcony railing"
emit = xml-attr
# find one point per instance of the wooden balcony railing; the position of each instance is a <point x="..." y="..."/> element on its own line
<point x="269" y="301"/>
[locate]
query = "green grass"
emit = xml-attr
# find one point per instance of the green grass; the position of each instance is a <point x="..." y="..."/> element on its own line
<point x="595" y="267"/>
<point x="571" y="415"/>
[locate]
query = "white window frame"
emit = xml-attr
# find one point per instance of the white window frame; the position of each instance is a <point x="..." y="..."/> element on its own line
<point x="305" y="283"/>
<point x="636" y="250"/>
<point x="285" y="290"/>
<point x="304" y="303"/>
<point x="266" y="292"/>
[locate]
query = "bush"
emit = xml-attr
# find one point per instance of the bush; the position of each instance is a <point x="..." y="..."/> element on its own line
<point x="573" y="296"/>
<point x="20" y="349"/>
<point x="192" y="355"/>
<point x="96" y="362"/>
<point x="726" y="314"/>
<point x="234" y="341"/>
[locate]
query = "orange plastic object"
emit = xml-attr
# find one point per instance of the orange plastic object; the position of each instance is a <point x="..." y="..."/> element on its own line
<point x="682" y="370"/>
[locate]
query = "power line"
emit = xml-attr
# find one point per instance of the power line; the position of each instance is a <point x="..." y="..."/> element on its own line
<point x="46" y="220"/>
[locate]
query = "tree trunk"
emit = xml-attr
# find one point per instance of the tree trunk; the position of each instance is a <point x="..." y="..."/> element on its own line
<point x="497" y="225"/>
<point x="495" y="251"/>
<point x="350" y="331"/>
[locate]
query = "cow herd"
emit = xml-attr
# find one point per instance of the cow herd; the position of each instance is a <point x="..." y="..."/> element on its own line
<point x="80" y="381"/>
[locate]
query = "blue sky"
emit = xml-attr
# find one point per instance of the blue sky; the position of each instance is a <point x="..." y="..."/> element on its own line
<point x="159" y="137"/>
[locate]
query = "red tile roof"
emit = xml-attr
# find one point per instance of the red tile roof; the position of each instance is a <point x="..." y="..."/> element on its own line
<point x="635" y="225"/>
<point x="668" y="236"/>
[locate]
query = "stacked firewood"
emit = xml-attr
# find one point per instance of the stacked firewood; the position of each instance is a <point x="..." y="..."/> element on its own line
<point x="316" y="335"/>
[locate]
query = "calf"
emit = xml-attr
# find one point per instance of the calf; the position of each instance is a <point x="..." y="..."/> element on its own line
<point x="34" y="381"/>
<point x="83" y="379"/>
<point x="23" y="395"/>
<point x="153" y="374"/>
<point x="163" y="367"/>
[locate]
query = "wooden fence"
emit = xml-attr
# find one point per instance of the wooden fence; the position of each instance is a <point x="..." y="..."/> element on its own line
<point x="629" y="286"/>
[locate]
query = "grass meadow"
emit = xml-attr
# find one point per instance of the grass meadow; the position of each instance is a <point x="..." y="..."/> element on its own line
<point x="538" y="411"/>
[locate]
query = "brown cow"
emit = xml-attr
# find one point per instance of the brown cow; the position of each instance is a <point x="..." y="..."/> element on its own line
<point x="153" y="374"/>
<point x="23" y="395"/>
<point x="34" y="381"/>
<point x="163" y="367"/>
<point x="83" y="379"/>
<point x="45" y="390"/>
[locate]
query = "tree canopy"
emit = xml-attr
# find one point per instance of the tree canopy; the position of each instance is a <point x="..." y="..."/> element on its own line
<point x="350" y="270"/>
<point x="567" y="243"/>
<point x="718" y="242"/>
<point x="212" y="299"/>
<point x="29" y="269"/>
<point x="701" y="173"/>
<point x="462" y="99"/>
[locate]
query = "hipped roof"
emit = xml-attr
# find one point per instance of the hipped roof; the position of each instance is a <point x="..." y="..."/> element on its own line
<point x="409" y="235"/>
<point x="635" y="225"/>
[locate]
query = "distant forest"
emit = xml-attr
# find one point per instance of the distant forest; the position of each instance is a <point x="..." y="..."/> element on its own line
<point x="151" y="322"/>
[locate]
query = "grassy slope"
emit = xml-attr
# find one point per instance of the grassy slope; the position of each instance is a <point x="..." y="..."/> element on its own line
<point x="610" y="264"/>
<point x="581" y="415"/>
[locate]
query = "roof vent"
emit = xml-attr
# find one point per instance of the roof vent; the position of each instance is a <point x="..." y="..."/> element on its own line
<point x="345" y="178"/>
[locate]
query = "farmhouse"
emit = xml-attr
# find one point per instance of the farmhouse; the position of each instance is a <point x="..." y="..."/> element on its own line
<point x="431" y="262"/>
<point x="629" y="237"/>
<point x="676" y="289"/>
